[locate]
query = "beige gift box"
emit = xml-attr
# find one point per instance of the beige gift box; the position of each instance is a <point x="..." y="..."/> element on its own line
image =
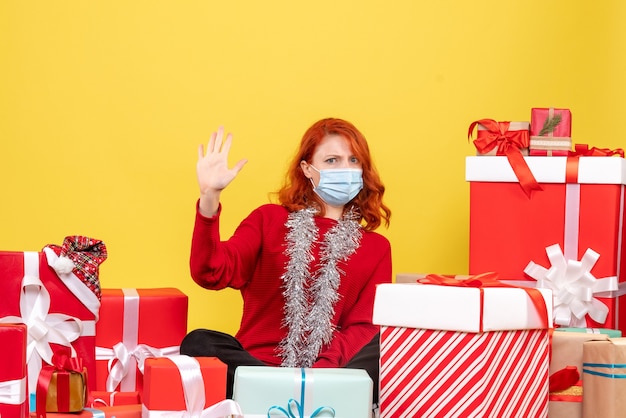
<point x="567" y="350"/>
<point x="604" y="378"/>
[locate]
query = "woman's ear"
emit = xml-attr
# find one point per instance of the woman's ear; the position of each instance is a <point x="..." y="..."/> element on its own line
<point x="306" y="169"/>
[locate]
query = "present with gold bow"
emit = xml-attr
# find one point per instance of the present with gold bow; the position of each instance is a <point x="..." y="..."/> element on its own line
<point x="550" y="131"/>
<point x="510" y="139"/>
<point x="446" y="340"/>
<point x="62" y="386"/>
<point x="566" y="368"/>
<point x="56" y="294"/>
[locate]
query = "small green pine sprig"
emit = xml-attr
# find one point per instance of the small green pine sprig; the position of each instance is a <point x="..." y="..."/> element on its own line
<point x="550" y="124"/>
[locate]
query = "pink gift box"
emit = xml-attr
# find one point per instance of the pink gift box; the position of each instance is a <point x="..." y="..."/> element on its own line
<point x="547" y="140"/>
<point x="461" y="351"/>
<point x="13" y="391"/>
<point x="139" y="324"/>
<point x="578" y="216"/>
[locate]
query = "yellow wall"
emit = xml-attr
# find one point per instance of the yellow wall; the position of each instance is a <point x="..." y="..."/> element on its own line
<point x="103" y="105"/>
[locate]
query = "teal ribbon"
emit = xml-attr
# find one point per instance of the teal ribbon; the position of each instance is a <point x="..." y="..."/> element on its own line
<point x="605" y="366"/>
<point x="96" y="413"/>
<point x="298" y="407"/>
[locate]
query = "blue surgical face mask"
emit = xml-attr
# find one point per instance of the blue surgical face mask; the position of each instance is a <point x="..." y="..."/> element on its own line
<point x="338" y="186"/>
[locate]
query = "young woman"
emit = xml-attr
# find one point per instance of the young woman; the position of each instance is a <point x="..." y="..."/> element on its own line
<point x="307" y="267"/>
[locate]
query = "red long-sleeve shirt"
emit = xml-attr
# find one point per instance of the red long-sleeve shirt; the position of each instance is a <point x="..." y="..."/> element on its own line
<point x="254" y="259"/>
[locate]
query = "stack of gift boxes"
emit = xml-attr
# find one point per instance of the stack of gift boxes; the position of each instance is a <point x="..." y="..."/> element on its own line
<point x="71" y="349"/>
<point x="545" y="215"/>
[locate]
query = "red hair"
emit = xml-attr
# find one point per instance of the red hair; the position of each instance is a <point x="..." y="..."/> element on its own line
<point x="297" y="192"/>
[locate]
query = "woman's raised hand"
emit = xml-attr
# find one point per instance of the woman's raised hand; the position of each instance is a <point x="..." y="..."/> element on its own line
<point x="213" y="172"/>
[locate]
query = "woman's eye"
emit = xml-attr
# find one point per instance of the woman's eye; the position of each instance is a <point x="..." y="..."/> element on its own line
<point x="331" y="160"/>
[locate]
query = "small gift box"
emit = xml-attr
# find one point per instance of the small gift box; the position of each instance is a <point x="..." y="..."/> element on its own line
<point x="604" y="378"/>
<point x="181" y="386"/>
<point x="495" y="138"/>
<point x="550" y="132"/>
<point x="508" y="139"/>
<point x="286" y="391"/>
<point x="120" y="411"/>
<point x="13" y="399"/>
<point x="100" y="398"/>
<point x="612" y="333"/>
<point x="567" y="352"/>
<point x="62" y="386"/>
<point x="136" y="324"/>
<point x="473" y="347"/>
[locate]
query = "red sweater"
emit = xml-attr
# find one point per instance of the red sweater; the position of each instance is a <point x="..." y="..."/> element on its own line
<point x="253" y="260"/>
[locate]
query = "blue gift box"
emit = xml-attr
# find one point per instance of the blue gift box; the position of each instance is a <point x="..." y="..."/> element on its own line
<point x="263" y="391"/>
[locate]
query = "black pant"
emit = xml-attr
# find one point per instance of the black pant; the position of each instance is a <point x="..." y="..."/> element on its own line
<point x="208" y="343"/>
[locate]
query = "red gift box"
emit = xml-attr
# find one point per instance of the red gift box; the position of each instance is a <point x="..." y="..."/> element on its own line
<point x="136" y="324"/>
<point x="183" y="383"/>
<point x="478" y="351"/>
<point x="568" y="237"/>
<point x="13" y="399"/>
<point x="121" y="411"/>
<point x="550" y="131"/>
<point x="100" y="398"/>
<point x="59" y="309"/>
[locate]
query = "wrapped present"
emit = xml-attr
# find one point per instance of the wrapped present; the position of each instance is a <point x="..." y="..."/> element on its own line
<point x="550" y="131"/>
<point x="136" y="324"/>
<point x="567" y="237"/>
<point x="56" y="293"/>
<point x="120" y="411"/>
<point x="604" y="378"/>
<point x="567" y="352"/>
<point x="509" y="139"/>
<point x="298" y="392"/>
<point x="612" y="333"/>
<point x="62" y="386"/>
<point x="183" y="386"/>
<point x="13" y="398"/>
<point x="99" y="398"/>
<point x="463" y="347"/>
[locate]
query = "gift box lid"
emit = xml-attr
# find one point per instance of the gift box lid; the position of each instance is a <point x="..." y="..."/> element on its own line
<point x="453" y="308"/>
<point x="591" y="170"/>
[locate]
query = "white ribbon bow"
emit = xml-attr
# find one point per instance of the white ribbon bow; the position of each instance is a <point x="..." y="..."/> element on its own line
<point x="193" y="389"/>
<point x="123" y="360"/>
<point x="573" y="287"/>
<point x="44" y="328"/>
<point x="13" y="392"/>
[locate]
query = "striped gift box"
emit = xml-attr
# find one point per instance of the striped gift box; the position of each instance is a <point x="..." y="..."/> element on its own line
<point x="461" y="352"/>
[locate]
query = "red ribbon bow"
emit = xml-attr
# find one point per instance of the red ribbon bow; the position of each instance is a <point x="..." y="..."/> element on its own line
<point x="509" y="144"/>
<point x="564" y="379"/>
<point x="62" y="364"/>
<point x="485" y="280"/>
<point x="583" y="150"/>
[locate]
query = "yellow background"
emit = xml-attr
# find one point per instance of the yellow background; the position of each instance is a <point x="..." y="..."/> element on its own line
<point x="103" y="105"/>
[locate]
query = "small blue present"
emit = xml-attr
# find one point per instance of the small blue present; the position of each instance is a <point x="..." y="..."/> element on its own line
<point x="286" y="392"/>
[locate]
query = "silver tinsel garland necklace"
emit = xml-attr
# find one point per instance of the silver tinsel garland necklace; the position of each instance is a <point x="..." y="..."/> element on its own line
<point x="310" y="297"/>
